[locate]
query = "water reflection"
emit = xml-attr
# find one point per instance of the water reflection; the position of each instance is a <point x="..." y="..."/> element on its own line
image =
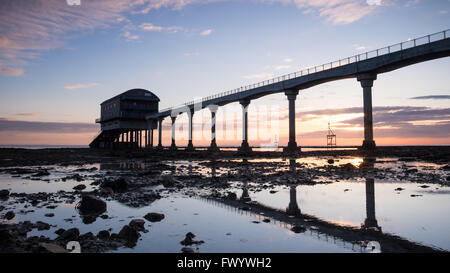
<point x="245" y="197"/>
<point x="371" y="221"/>
<point x="293" y="208"/>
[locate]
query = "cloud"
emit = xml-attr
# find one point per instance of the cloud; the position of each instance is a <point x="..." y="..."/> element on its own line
<point x="80" y="86"/>
<point x="443" y="11"/>
<point x="30" y="27"/>
<point x="151" y="27"/>
<point x="279" y="67"/>
<point x="189" y="54"/>
<point x="206" y="32"/>
<point x="431" y="97"/>
<point x="259" y="76"/>
<point x="287" y="60"/>
<point x="8" y="125"/>
<point x="26" y="114"/>
<point x="130" y="37"/>
<point x="338" y="11"/>
<point x="389" y="121"/>
<point x="359" y="47"/>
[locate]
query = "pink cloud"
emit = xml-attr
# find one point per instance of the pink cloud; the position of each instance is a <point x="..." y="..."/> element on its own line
<point x="30" y="27"/>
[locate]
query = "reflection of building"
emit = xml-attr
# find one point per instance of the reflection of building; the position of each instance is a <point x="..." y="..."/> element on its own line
<point x="123" y="122"/>
<point x="371" y="220"/>
<point x="293" y="208"/>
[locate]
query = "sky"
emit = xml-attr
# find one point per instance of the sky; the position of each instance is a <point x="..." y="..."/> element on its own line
<point x="59" y="59"/>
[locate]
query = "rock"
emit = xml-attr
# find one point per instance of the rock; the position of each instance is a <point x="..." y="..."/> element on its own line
<point x="256" y="222"/>
<point x="330" y="161"/>
<point x="130" y="235"/>
<point x="42" y="225"/>
<point x="266" y="220"/>
<point x="154" y="217"/>
<point x="52" y="248"/>
<point x="88" y="236"/>
<point x="92" y="205"/>
<point x="399" y="189"/>
<point x="137" y="224"/>
<point x="424" y="186"/>
<point x="187" y="250"/>
<point x="348" y="167"/>
<point x="298" y="229"/>
<point x="232" y="196"/>
<point x="9" y="215"/>
<point x="188" y="240"/>
<point x="79" y="187"/>
<point x="70" y="235"/>
<point x="118" y="185"/>
<point x="273" y="191"/>
<point x="49" y="214"/>
<point x="41" y="173"/>
<point x="4" y="193"/>
<point x="415" y="195"/>
<point x="168" y="181"/>
<point x="60" y="231"/>
<point x="103" y="235"/>
<point x="88" y="219"/>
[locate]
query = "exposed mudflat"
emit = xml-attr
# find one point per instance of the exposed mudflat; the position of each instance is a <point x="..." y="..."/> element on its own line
<point x="160" y="201"/>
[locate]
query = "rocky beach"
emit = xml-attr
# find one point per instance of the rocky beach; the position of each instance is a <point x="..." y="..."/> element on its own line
<point x="160" y="201"/>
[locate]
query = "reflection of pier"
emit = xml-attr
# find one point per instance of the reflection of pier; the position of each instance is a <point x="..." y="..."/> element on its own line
<point x="348" y="237"/>
<point x="311" y="231"/>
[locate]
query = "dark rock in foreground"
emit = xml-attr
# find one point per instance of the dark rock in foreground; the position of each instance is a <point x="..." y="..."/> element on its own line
<point x="10" y="215"/>
<point x="118" y="185"/>
<point x="188" y="240"/>
<point x="4" y="193"/>
<point x="154" y="217"/>
<point x="130" y="235"/>
<point x="70" y="235"/>
<point x="92" y="205"/>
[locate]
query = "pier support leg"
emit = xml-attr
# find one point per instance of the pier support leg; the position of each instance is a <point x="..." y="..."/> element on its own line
<point x="190" y="146"/>
<point x="160" y="133"/>
<point x="366" y="81"/>
<point x="292" y="145"/>
<point x="151" y="138"/>
<point x="245" y="148"/>
<point x="213" y="147"/>
<point x="146" y="138"/>
<point x="173" y="146"/>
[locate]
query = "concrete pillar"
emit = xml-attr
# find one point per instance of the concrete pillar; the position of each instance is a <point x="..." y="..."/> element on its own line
<point x="173" y="146"/>
<point x="146" y="138"/>
<point x="366" y="81"/>
<point x="244" y="146"/>
<point x="293" y="208"/>
<point x="213" y="147"/>
<point x="160" y="133"/>
<point x="151" y="138"/>
<point x="139" y="138"/>
<point x="190" y="146"/>
<point x="292" y="145"/>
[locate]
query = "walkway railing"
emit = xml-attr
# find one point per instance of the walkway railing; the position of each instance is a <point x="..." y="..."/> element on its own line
<point x="410" y="43"/>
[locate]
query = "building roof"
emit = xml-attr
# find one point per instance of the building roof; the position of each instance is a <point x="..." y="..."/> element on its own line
<point x="135" y="94"/>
